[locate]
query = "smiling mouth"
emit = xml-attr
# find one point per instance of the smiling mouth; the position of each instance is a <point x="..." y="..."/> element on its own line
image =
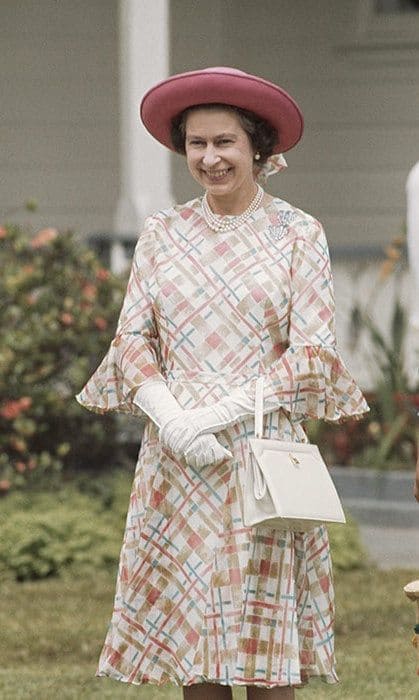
<point x="217" y="174"/>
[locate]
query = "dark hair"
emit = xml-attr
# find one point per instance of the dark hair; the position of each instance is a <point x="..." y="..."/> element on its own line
<point x="262" y="135"/>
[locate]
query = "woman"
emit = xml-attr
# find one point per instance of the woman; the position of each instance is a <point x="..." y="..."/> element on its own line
<point x="223" y="288"/>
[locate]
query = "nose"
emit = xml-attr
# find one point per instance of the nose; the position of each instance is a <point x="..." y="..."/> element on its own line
<point x="211" y="157"/>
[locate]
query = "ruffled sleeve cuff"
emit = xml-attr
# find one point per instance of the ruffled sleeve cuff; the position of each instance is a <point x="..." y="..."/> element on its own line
<point x="127" y="365"/>
<point x="313" y="382"/>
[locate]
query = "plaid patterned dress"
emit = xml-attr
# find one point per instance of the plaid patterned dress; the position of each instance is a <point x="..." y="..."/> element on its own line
<point x="200" y="597"/>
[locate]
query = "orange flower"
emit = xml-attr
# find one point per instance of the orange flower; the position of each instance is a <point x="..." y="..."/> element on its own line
<point x="67" y="319"/>
<point x="3" y="232"/>
<point x="32" y="463"/>
<point x="13" y="409"/>
<point x="25" y="402"/>
<point x="89" y="291"/>
<point x="101" y="323"/>
<point x="102" y="274"/>
<point x="4" y="485"/>
<point x="28" y="269"/>
<point x="20" y="467"/>
<point x="44" y="237"/>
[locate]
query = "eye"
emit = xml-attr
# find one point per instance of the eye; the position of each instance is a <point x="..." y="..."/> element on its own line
<point x="224" y="141"/>
<point x="195" y="142"/>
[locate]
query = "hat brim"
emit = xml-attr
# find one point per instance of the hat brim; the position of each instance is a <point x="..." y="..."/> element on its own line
<point x="227" y="86"/>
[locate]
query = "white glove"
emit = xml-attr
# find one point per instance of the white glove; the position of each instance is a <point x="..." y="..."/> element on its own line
<point x="159" y="404"/>
<point x="205" y="450"/>
<point x="178" y="432"/>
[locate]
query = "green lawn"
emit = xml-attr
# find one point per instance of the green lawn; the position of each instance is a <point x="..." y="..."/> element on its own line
<point x="51" y="632"/>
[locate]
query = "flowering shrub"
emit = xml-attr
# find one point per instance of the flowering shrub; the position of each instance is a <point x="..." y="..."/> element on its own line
<point x="386" y="438"/>
<point x="58" y="309"/>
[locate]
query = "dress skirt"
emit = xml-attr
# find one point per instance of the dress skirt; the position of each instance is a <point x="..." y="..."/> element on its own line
<point x="202" y="598"/>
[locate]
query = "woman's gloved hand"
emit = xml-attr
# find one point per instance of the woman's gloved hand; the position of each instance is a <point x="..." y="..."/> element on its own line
<point x="205" y="450"/>
<point x="178" y="431"/>
<point x="159" y="404"/>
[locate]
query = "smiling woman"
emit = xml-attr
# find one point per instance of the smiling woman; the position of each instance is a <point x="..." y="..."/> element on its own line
<point x="220" y="158"/>
<point x="223" y="289"/>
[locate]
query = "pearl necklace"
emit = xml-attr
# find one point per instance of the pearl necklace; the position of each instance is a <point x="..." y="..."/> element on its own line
<point x="217" y="222"/>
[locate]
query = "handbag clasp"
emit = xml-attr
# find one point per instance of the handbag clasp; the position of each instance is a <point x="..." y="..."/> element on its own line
<point x="293" y="459"/>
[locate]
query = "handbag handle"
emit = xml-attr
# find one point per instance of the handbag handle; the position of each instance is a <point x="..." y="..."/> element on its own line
<point x="259" y="408"/>
<point x="259" y="411"/>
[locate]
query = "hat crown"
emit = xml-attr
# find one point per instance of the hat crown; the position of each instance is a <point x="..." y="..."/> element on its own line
<point x="222" y="69"/>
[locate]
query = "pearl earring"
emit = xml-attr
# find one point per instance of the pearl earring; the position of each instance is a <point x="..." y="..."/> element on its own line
<point x="257" y="156"/>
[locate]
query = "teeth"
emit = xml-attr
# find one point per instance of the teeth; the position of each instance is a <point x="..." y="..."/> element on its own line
<point x="218" y="174"/>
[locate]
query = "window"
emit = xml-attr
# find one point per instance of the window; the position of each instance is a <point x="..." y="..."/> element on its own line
<point x="395" y="6"/>
<point x="384" y="23"/>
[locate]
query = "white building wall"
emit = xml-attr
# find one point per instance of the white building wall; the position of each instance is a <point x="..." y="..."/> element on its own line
<point x="59" y="111"/>
<point x="359" y="96"/>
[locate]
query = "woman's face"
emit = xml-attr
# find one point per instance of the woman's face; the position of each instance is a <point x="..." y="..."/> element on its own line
<point x="219" y="153"/>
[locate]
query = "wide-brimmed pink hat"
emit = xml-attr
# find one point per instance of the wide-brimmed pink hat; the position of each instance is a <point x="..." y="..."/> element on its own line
<point x="221" y="85"/>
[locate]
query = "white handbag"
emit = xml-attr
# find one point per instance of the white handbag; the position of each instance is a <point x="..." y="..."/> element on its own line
<point x="287" y="484"/>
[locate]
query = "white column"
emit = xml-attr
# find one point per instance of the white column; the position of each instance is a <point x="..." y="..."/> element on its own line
<point x="412" y="226"/>
<point x="412" y="221"/>
<point x="144" y="163"/>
